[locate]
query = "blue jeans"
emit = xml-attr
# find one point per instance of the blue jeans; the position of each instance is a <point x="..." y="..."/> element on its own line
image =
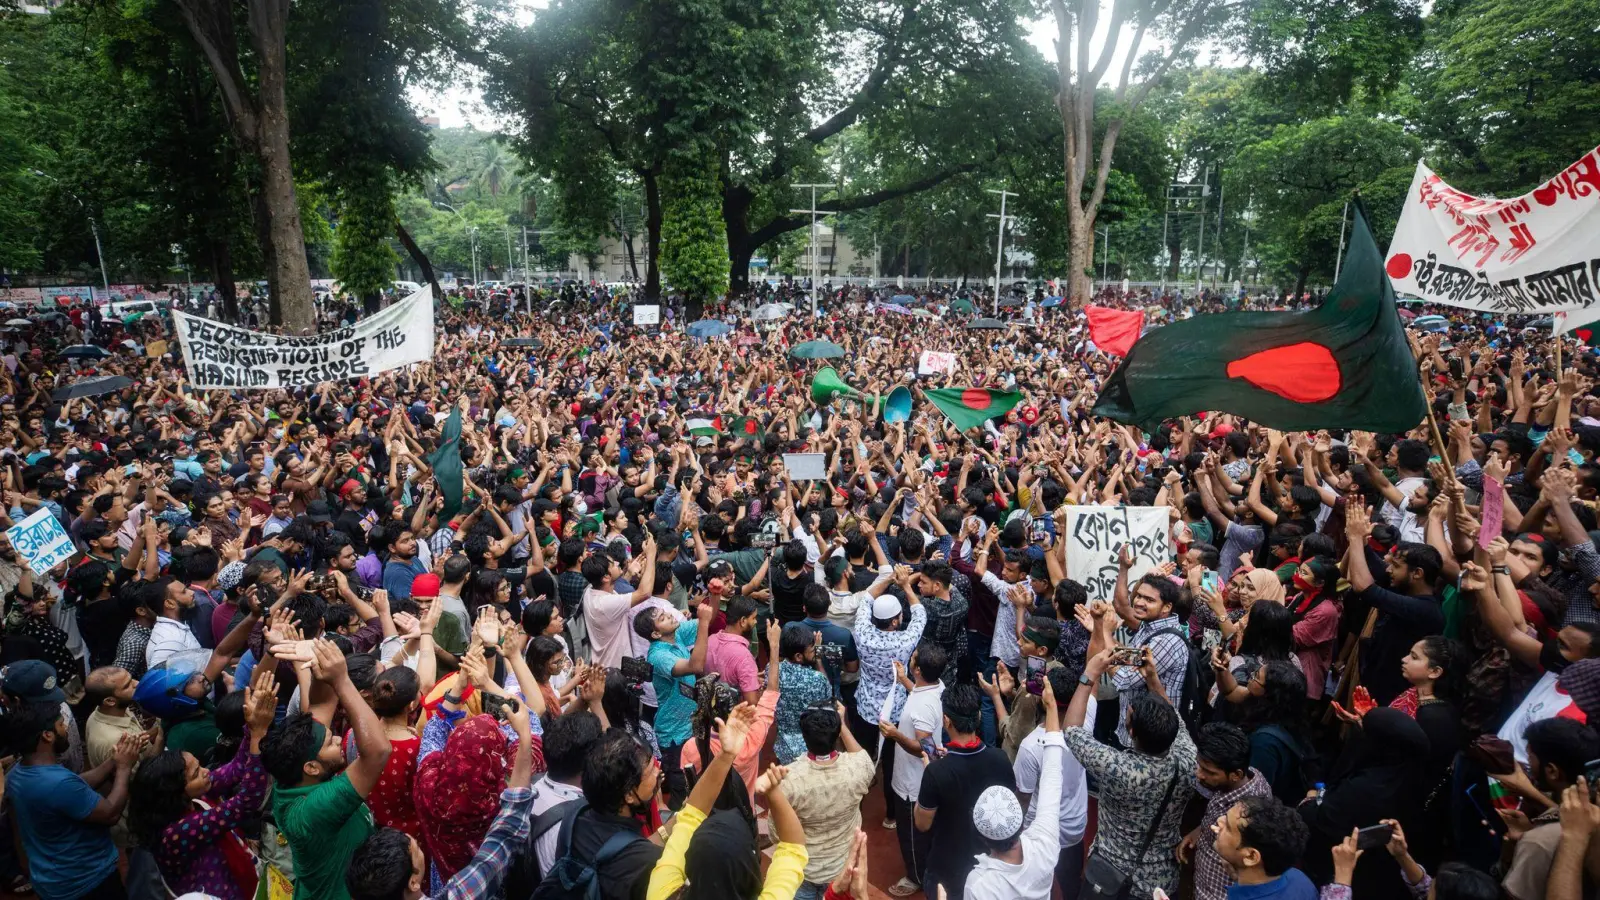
<point x="810" y="890"/>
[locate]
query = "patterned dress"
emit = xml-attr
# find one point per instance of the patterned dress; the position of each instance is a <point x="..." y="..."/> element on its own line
<point x="195" y="852"/>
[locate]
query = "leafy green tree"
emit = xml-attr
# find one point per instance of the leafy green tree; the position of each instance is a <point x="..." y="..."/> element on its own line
<point x="1505" y="93"/>
<point x="1301" y="176"/>
<point x="694" y="256"/>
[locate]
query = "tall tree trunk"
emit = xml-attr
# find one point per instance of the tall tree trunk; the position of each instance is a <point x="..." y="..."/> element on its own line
<point x="652" y="241"/>
<point x="258" y="114"/>
<point x="1300" y="280"/>
<point x="222" y="276"/>
<point x="736" y="201"/>
<point x="421" y="259"/>
<point x="283" y="206"/>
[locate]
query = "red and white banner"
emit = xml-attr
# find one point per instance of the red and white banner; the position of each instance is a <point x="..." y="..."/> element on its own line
<point x="1537" y="253"/>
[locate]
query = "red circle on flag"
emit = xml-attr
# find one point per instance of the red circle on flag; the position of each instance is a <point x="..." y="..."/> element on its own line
<point x="974" y="398"/>
<point x="750" y="426"/>
<point x="1399" y="265"/>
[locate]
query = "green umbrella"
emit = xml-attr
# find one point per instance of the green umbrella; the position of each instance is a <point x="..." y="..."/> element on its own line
<point x="817" y="350"/>
<point x="962" y="304"/>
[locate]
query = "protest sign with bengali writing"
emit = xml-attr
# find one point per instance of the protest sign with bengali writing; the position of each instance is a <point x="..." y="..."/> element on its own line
<point x="1095" y="535"/>
<point x="1537" y="253"/>
<point x="932" y="362"/>
<point x="41" y="541"/>
<point x="221" y="356"/>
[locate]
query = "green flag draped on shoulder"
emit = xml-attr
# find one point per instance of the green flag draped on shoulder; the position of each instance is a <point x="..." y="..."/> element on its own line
<point x="1345" y="364"/>
<point x="446" y="463"/>
<point x="971" y="407"/>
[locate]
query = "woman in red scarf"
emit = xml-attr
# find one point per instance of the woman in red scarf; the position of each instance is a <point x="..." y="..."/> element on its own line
<point x="1317" y="610"/>
<point x="458" y="792"/>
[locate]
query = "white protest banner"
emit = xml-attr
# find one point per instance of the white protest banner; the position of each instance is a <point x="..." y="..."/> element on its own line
<point x="647" y="315"/>
<point x="223" y="356"/>
<point x="806" y="466"/>
<point x="42" y="541"/>
<point x="1095" y="536"/>
<point x="1536" y="253"/>
<point x="932" y="362"/>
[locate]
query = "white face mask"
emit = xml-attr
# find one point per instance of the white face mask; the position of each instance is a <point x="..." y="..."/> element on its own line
<point x="276" y="433"/>
<point x="579" y="507"/>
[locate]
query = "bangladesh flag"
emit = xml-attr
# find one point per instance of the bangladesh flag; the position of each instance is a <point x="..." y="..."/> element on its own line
<point x="746" y="427"/>
<point x="1345" y="364"/>
<point x="703" y="427"/>
<point x="971" y="407"/>
<point x="446" y="464"/>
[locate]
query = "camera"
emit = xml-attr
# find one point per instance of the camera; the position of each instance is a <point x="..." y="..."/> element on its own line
<point x="830" y="653"/>
<point x="713" y="699"/>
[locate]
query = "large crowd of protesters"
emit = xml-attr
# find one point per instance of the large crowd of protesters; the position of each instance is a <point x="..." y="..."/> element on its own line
<point x="640" y="661"/>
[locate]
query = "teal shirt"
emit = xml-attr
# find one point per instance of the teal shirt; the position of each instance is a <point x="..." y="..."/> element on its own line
<point x="674" y="710"/>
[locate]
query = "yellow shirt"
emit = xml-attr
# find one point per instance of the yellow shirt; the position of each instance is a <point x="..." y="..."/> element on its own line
<point x="784" y="873"/>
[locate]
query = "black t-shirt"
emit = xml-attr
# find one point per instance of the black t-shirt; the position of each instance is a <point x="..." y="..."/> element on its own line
<point x="951" y="786"/>
<point x="1402" y="621"/>
<point x="627" y="875"/>
<point x="1550" y="658"/>
<point x="788" y="593"/>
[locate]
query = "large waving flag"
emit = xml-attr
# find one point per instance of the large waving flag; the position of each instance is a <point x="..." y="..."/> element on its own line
<point x="1346" y="364"/>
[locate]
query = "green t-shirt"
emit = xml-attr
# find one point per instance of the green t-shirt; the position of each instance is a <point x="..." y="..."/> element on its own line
<point x="324" y="823"/>
<point x="448" y="634"/>
<point x="196" y="735"/>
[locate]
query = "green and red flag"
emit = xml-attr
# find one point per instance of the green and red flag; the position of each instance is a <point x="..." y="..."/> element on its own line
<point x="448" y="469"/>
<point x="971" y="407"/>
<point x="1345" y="364"/>
<point x="703" y="427"/>
<point x="746" y="427"/>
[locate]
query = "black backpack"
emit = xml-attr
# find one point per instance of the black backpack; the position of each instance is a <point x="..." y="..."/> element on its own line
<point x="524" y="876"/>
<point x="1198" y="679"/>
<point x="572" y="878"/>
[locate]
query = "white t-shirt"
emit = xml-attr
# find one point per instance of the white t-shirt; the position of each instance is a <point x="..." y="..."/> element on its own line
<point x="1404" y="520"/>
<point x="923" y="712"/>
<point x="547" y="794"/>
<point x="1074" y="786"/>
<point x="1545" y="701"/>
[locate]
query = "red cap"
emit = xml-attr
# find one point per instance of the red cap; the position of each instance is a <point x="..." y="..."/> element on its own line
<point x="425" y="585"/>
<point x="345" y="489"/>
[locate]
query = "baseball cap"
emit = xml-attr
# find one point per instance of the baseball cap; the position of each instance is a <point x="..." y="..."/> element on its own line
<point x="33" y="680"/>
<point x="319" y="512"/>
<point x="425" y="585"/>
<point x="885" y="607"/>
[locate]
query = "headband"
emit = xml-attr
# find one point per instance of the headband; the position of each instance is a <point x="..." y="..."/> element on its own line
<point x="319" y="736"/>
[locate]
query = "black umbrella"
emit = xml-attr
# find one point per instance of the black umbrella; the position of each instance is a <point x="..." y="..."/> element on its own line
<point x="1012" y="300"/>
<point x="92" y="387"/>
<point x="535" y="343"/>
<point x="84" y="351"/>
<point x="986" y="323"/>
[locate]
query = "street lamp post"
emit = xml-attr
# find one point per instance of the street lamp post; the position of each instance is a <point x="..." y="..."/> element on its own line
<point x="105" y="280"/>
<point x="999" y="245"/>
<point x="816" y="268"/>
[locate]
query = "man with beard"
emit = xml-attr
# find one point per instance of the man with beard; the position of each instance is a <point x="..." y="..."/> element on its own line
<point x="320" y="802"/>
<point x="64" y="825"/>
<point x="110" y="689"/>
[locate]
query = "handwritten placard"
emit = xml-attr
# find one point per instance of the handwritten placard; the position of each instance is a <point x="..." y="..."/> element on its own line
<point x="42" y="541"/>
<point x="1095" y="536"/>
<point x="647" y="315"/>
<point x="1494" y="511"/>
<point x="932" y="362"/>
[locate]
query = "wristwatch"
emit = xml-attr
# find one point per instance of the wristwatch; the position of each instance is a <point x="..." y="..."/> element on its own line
<point x="1501" y="570"/>
<point x="1085" y="681"/>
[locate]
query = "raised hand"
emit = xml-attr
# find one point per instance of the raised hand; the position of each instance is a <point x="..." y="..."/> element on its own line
<point x="327" y="663"/>
<point x="733" y="731"/>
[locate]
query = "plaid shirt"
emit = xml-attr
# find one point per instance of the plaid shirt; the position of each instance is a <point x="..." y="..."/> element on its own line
<point x="947" y="624"/>
<point x="570" y="587"/>
<point x="508" y="834"/>
<point x="130" y="649"/>
<point x="1574" y="584"/>
<point x="1211" y="874"/>
<point x="1171" y="653"/>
